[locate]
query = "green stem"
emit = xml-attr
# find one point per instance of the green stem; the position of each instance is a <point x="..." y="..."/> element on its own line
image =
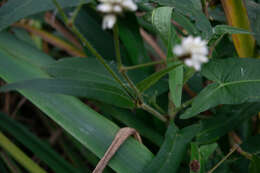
<point x="147" y="64"/>
<point x="117" y="47"/>
<point x="19" y="155"/>
<point x="76" y="12"/>
<point x="149" y="109"/>
<point x="89" y="46"/>
<point x="184" y="105"/>
<point x="119" y="64"/>
<point x="132" y="85"/>
<point x="63" y="15"/>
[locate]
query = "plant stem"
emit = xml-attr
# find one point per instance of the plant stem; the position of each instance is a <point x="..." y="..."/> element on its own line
<point x="149" y="109"/>
<point x="19" y="155"/>
<point x="117" y="47"/>
<point x="147" y="64"/>
<point x="225" y="158"/>
<point x="89" y="46"/>
<point x="119" y="64"/>
<point x="75" y="13"/>
<point x="132" y="85"/>
<point x="63" y="15"/>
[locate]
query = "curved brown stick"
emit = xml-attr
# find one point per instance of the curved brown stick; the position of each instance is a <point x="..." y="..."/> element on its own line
<point x="120" y="138"/>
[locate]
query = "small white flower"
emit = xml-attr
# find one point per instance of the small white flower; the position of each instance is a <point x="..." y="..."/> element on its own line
<point x="113" y="7"/>
<point x="108" y="21"/>
<point x="195" y="48"/>
<point x="129" y="5"/>
<point x="117" y="9"/>
<point x="105" y="8"/>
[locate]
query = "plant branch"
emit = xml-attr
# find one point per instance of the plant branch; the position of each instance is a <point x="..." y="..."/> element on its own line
<point x="117" y="47"/>
<point x="146" y="64"/>
<point x="235" y="140"/>
<point x="119" y="65"/>
<point x="75" y="13"/>
<point x="235" y="147"/>
<point x="149" y="109"/>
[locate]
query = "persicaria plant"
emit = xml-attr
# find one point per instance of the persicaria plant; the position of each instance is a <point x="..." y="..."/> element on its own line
<point x="130" y="86"/>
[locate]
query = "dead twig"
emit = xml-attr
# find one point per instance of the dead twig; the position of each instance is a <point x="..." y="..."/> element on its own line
<point x="52" y="40"/>
<point x="120" y="138"/>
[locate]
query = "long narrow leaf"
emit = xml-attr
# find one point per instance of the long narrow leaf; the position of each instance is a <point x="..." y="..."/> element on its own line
<point x="89" y="89"/>
<point x="151" y="80"/>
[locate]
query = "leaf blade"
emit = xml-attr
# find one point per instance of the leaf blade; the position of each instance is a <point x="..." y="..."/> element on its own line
<point x="236" y="81"/>
<point x="173" y="149"/>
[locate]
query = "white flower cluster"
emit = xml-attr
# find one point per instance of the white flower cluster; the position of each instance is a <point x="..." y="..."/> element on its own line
<point x="195" y="48"/>
<point x="113" y="7"/>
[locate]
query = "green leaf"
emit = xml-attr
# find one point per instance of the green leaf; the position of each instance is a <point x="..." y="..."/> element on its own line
<point x="81" y="88"/>
<point x="78" y="77"/>
<point x="15" y="10"/>
<point x="254" y="166"/>
<point x="188" y="8"/>
<point x="185" y="23"/>
<point x="225" y="121"/>
<point x="200" y="156"/>
<point x="195" y="158"/>
<point x="254" y="15"/>
<point x="130" y="36"/>
<point x="41" y="149"/>
<point x="173" y="149"/>
<point x="207" y="150"/>
<point x="236" y="81"/>
<point x="161" y="20"/>
<point x="226" y="29"/>
<point x="176" y="84"/>
<point x="87" y="126"/>
<point x="151" y="80"/>
<point x="85" y="69"/>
